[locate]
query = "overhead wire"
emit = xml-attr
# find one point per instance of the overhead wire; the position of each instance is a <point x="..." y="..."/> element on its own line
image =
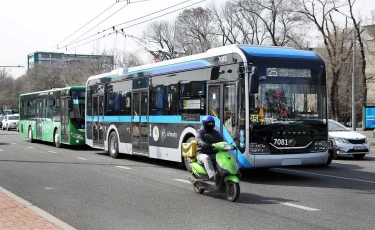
<point x="83" y="26"/>
<point x="112" y="27"/>
<point x="138" y="24"/>
<point x="98" y="24"/>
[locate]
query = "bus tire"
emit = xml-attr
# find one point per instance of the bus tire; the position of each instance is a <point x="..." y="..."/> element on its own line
<point x="30" y="135"/>
<point x="186" y="160"/>
<point x="56" y="138"/>
<point x="113" y="149"/>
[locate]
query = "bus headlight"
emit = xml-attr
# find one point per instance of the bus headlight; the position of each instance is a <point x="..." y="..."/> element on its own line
<point x="320" y="145"/>
<point x="77" y="136"/>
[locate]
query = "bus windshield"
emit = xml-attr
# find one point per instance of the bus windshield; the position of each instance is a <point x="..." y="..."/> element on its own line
<point x="77" y="114"/>
<point x="289" y="103"/>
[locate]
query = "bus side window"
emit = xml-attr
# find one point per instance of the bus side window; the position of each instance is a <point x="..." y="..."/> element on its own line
<point x="170" y="100"/>
<point x="110" y="102"/>
<point x="156" y="101"/>
<point x="125" y="104"/>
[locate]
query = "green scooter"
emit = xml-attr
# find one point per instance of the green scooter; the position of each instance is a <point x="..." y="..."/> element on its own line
<point x="226" y="165"/>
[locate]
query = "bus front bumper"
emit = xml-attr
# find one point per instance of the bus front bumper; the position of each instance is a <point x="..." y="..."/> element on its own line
<point x="269" y="160"/>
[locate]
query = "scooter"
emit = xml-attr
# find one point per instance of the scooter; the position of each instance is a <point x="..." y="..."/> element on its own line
<point x="226" y="165"/>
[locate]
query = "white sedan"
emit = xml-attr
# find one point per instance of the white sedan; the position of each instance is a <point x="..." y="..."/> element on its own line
<point x="349" y="142"/>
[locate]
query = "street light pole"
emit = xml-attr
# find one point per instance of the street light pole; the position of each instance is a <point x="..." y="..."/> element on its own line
<point x="353" y="71"/>
<point x="353" y="82"/>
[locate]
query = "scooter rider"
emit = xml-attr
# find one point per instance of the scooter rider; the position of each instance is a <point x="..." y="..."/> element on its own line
<point x="205" y="151"/>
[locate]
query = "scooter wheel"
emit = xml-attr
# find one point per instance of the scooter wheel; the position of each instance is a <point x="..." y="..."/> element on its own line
<point x="232" y="191"/>
<point x="198" y="189"/>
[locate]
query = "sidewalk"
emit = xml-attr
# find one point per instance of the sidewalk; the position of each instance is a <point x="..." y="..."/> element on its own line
<point x="16" y="213"/>
<point x="368" y="133"/>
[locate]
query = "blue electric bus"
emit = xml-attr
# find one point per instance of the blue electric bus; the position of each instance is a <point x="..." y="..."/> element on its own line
<point x="269" y="101"/>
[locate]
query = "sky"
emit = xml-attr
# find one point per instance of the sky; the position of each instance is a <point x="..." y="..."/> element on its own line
<point x="28" y="26"/>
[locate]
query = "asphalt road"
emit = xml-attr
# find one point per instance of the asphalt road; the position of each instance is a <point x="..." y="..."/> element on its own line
<point x="89" y="190"/>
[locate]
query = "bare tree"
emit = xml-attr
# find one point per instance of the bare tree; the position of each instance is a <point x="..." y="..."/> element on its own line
<point x="280" y="22"/>
<point x="162" y="33"/>
<point x="7" y="96"/>
<point x="336" y="42"/>
<point x="195" y="30"/>
<point x="237" y="26"/>
<point x="359" y="31"/>
<point x="125" y="59"/>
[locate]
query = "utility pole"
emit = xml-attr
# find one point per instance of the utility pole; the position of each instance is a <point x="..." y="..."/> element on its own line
<point x="354" y="123"/>
<point x="353" y="71"/>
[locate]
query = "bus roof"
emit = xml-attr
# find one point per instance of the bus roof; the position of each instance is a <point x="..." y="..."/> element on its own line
<point x="55" y="89"/>
<point x="197" y="60"/>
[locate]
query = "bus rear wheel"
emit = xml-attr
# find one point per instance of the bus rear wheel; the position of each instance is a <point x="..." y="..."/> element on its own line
<point x="56" y="138"/>
<point x="113" y="145"/>
<point x="30" y="135"/>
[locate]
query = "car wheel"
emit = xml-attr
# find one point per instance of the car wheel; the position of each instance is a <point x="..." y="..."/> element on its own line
<point x="359" y="156"/>
<point x="331" y="155"/>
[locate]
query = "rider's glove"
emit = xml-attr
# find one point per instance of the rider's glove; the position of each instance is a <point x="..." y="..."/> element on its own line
<point x="207" y="146"/>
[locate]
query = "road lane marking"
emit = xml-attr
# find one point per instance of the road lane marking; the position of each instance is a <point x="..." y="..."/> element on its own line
<point x="342" y="163"/>
<point x="81" y="158"/>
<point x="52" y="152"/>
<point x="49" y="188"/>
<point x="122" y="167"/>
<point x="324" y="175"/>
<point x="181" y="180"/>
<point x="12" y="143"/>
<point x="31" y="147"/>
<point x="299" y="206"/>
<point x="1" y="150"/>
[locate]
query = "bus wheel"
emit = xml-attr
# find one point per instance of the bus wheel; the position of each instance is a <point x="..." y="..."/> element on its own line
<point x="56" y="138"/>
<point x="30" y="135"/>
<point x="186" y="160"/>
<point x="113" y="145"/>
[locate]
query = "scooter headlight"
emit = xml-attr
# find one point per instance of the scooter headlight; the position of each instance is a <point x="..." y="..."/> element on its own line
<point x="227" y="147"/>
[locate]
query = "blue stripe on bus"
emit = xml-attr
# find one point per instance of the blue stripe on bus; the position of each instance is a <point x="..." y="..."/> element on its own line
<point x="175" y="67"/>
<point x="152" y="119"/>
<point x="172" y="68"/>
<point x="278" y="52"/>
<point x="78" y="101"/>
<point x="242" y="161"/>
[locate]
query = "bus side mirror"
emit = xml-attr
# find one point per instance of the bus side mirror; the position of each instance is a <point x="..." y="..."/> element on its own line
<point x="254" y="80"/>
<point x="70" y="104"/>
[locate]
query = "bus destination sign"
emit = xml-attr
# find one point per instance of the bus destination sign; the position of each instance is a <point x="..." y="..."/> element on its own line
<point x="287" y="72"/>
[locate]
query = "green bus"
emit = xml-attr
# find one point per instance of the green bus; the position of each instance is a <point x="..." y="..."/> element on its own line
<point x="56" y="115"/>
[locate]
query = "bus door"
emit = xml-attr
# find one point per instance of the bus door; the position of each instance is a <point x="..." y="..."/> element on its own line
<point x="64" y="119"/>
<point x="140" y="122"/>
<point x="39" y="119"/>
<point x="98" y="119"/>
<point x="222" y="104"/>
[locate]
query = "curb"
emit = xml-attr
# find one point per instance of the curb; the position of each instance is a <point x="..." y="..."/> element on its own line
<point x="59" y="223"/>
